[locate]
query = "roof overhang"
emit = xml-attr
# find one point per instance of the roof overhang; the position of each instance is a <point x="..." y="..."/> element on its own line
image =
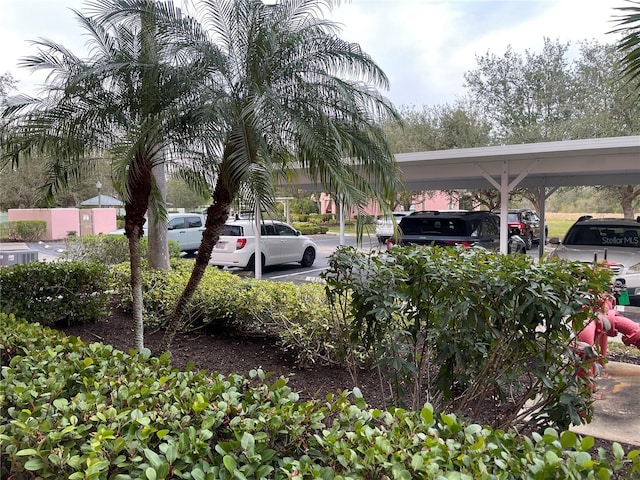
<point x="596" y="161"/>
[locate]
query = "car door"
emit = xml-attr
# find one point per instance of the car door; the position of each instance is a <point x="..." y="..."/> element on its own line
<point x="290" y="244"/>
<point x="270" y="244"/>
<point x="193" y="232"/>
<point x="176" y="231"/>
<point x="490" y="233"/>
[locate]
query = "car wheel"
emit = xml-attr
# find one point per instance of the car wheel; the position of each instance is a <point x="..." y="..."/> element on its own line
<point x="252" y="263"/>
<point x="308" y="257"/>
<point x="529" y="241"/>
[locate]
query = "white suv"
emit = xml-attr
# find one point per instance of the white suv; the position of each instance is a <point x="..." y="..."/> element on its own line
<point x="612" y="239"/>
<point x="184" y="228"/>
<point x="280" y="243"/>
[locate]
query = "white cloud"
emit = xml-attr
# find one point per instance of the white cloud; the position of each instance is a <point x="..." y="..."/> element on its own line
<point x="424" y="46"/>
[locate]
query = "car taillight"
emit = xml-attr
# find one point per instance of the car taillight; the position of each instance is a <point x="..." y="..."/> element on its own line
<point x="240" y="243"/>
<point x="522" y="227"/>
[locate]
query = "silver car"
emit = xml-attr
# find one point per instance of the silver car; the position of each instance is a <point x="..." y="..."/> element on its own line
<point x="616" y="240"/>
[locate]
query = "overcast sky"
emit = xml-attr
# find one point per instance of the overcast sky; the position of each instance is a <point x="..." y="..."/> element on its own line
<point x="424" y="46"/>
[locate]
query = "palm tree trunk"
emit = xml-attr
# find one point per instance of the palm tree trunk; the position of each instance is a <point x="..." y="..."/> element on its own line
<point x="135" y="208"/>
<point x="136" y="290"/>
<point x="217" y="215"/>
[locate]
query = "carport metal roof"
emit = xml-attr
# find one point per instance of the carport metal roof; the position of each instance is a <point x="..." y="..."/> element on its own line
<point x="596" y="161"/>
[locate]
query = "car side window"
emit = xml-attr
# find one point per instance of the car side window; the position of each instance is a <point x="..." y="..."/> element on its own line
<point x="267" y="230"/>
<point x="490" y="227"/>
<point x="194" y="222"/>
<point x="176" y="223"/>
<point x="284" y="230"/>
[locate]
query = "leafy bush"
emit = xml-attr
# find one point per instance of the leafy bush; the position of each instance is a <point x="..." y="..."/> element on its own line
<point x="76" y="411"/>
<point x="48" y="293"/>
<point x="488" y="331"/>
<point x="23" y="230"/>
<point x="307" y="228"/>
<point x="297" y="315"/>
<point x="107" y="249"/>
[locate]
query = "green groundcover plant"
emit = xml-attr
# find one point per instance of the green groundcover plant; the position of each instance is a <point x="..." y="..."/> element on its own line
<point x="87" y="411"/>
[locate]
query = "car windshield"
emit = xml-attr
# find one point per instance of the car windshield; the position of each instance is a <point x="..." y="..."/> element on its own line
<point x="438" y="226"/>
<point x="604" y="236"/>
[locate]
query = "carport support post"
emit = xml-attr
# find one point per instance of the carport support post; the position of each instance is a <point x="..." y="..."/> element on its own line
<point x="340" y="205"/>
<point x="504" y="208"/>
<point x="258" y="251"/>
<point x="543" y="194"/>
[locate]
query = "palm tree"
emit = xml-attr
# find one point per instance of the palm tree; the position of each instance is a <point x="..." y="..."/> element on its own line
<point x="289" y="94"/>
<point x="629" y="45"/>
<point x="131" y="101"/>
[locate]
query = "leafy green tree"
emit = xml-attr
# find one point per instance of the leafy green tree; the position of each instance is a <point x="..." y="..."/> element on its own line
<point x="526" y="97"/>
<point x="7" y="83"/>
<point x="629" y="45"/>
<point x="440" y="127"/>
<point x="289" y="94"/>
<point x="132" y="100"/>
<point x="544" y="96"/>
<point x="181" y="195"/>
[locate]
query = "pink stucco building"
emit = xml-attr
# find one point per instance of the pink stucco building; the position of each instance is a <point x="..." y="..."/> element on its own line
<point x="422" y="201"/>
<point x="62" y="222"/>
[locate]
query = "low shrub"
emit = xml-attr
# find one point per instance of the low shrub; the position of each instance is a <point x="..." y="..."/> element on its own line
<point x="23" y="230"/>
<point x="297" y="315"/>
<point x="48" y="293"/>
<point x="77" y="411"/>
<point x="307" y="228"/>
<point x="107" y="249"/>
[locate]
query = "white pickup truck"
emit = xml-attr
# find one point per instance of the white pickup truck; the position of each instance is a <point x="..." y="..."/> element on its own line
<point x="184" y="228"/>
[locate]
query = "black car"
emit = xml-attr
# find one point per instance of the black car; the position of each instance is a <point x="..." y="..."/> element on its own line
<point x="451" y="228"/>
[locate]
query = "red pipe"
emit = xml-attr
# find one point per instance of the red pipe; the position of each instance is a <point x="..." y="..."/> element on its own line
<point x="629" y="329"/>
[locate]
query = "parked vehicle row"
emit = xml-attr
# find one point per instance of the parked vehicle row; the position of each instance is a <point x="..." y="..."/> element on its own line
<point x="528" y="222"/>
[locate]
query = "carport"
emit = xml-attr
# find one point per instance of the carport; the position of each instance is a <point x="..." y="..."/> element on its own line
<point x="547" y="166"/>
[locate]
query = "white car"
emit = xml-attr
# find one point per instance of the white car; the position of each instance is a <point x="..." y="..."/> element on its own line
<point x="184" y="228"/>
<point x="611" y="239"/>
<point x="280" y="243"/>
<point x="384" y="225"/>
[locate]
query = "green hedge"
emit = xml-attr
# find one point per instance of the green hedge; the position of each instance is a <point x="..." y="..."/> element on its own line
<point x="48" y="293"/>
<point x="107" y="249"/>
<point x="298" y="315"/>
<point x="23" y="230"/>
<point x="75" y="411"/>
<point x="307" y="228"/>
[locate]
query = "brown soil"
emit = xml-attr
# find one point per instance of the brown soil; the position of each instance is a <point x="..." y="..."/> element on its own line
<point x="227" y="354"/>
